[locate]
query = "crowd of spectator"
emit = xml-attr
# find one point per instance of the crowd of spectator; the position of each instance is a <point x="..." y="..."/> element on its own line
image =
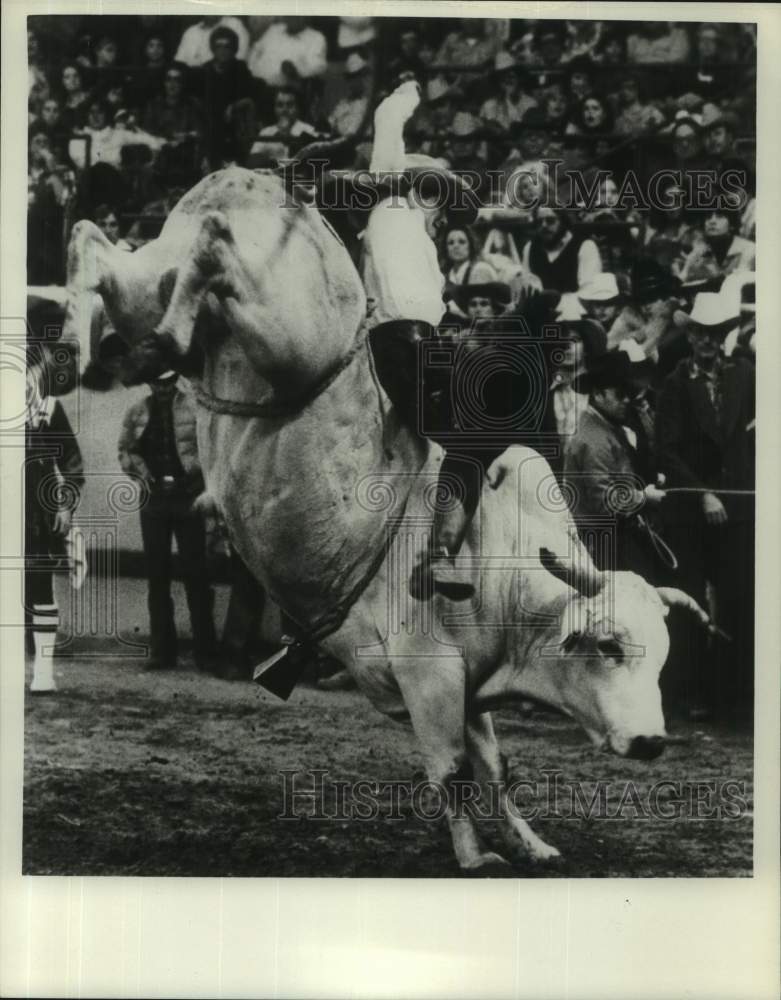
<point x="126" y="113"/>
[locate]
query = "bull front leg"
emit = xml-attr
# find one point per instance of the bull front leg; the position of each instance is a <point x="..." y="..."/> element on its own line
<point x="489" y="766"/>
<point x="434" y="694"/>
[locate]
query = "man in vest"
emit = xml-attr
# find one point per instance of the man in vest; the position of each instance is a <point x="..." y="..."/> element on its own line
<point x="158" y="445"/>
<point x="561" y="260"/>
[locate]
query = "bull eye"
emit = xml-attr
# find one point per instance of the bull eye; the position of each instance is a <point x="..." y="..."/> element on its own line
<point x="611" y="648"/>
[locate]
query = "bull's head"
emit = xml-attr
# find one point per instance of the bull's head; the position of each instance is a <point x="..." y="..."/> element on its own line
<point x="612" y="647"/>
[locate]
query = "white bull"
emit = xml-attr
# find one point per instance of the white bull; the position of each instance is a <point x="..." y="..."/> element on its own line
<point x="326" y="496"/>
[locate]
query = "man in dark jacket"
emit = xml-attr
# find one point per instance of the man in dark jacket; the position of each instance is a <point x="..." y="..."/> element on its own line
<point x="227" y="90"/>
<point x="158" y="445"/>
<point x="602" y="467"/>
<point x="706" y="446"/>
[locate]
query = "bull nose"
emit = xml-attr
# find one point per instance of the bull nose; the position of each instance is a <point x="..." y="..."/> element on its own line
<point x="646" y="747"/>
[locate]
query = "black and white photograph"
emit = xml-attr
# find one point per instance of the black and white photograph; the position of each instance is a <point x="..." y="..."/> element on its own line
<point x="385" y="496"/>
<point x="389" y="446"/>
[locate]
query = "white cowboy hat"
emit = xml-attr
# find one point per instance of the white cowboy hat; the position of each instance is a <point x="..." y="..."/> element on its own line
<point x="711" y="311"/>
<point x="602" y="288"/>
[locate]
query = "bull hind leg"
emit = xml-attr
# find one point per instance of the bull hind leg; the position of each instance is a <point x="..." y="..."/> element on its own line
<point x="434" y="696"/>
<point x="489" y="767"/>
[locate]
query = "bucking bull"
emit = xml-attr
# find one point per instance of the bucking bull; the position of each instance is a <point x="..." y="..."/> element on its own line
<point x="328" y="497"/>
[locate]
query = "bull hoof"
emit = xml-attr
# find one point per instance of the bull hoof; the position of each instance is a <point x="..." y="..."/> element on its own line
<point x="552" y="861"/>
<point x="487" y="865"/>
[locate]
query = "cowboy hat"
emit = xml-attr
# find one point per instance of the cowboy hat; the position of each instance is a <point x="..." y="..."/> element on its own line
<point x="712" y="313"/>
<point x="613" y="368"/>
<point x="570" y="317"/>
<point x="602" y="288"/>
<point x="423" y="176"/>
<point x="428" y="174"/>
<point x="483" y="282"/>
<point x="650" y="281"/>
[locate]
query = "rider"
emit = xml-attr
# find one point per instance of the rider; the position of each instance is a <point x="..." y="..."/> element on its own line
<point x="404" y="286"/>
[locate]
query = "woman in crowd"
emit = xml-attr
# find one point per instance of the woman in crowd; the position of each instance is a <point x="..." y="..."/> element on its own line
<point x="75" y="103"/>
<point x="592" y="117"/>
<point x="721" y="251"/>
<point x="460" y="253"/>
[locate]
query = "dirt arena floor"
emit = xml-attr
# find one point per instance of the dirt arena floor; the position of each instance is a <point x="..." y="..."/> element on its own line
<point x="130" y="773"/>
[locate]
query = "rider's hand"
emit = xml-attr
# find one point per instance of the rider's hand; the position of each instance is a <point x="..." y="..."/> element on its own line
<point x="62" y="523"/>
<point x="653" y="495"/>
<point x="713" y="509"/>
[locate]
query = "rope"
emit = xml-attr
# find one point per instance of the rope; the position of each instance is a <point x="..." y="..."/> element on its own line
<point x="272" y="407"/>
<point x="704" y="489"/>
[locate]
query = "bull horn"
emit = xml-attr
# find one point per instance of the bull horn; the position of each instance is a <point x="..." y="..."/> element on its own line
<point x="674" y="598"/>
<point x="583" y="577"/>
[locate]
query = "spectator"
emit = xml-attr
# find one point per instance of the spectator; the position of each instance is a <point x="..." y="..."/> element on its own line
<point x="481" y="299"/>
<point x="464" y="152"/>
<point x="349" y="113"/>
<point x="556" y="109"/>
<point x="50" y="192"/>
<point x="465" y="48"/>
<point x="288" y="131"/>
<point x="580" y="341"/>
<point x="720" y="131"/>
<point x="579" y="79"/>
<point x="195" y="48"/>
<point x="602" y="466"/>
<point x="592" y="117"/>
<point x="108" y="141"/>
<point x="172" y="114"/>
<point x="408" y="59"/>
<point x="149" y="83"/>
<point x="50" y="122"/>
<point x="721" y="251"/>
<point x="561" y="260"/>
<point x="54" y="477"/>
<point x="226" y="89"/>
<point x="531" y="139"/>
<point x="105" y="72"/>
<point x="671" y="230"/>
<point x="607" y="305"/>
<point x="654" y="42"/>
<point x="548" y="47"/>
<point x="287" y="51"/>
<point x="38" y="89"/>
<point x="710" y="78"/>
<point x="158" y="445"/>
<point x="686" y="131"/>
<point x="513" y="102"/>
<point x="655" y="292"/>
<point x="706" y="444"/>
<point x="107" y="221"/>
<point x="75" y="97"/>
<point x="611" y="50"/>
<point x="460" y="254"/>
<point x="635" y="117"/>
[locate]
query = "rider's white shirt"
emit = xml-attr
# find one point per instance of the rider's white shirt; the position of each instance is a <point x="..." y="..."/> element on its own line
<point x="401" y="272"/>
